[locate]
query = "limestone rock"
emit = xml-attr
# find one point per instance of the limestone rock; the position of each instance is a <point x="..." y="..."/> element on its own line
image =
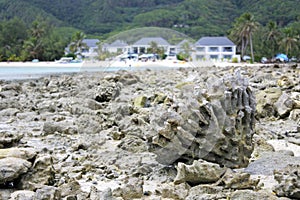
<point x="70" y="189"/>
<point x="284" y="81"/>
<point x="95" y="194"/>
<point x="265" y="101"/>
<point x="159" y="98"/>
<point x="204" y="192"/>
<point x="24" y="153"/>
<point x="271" y="161"/>
<point x="133" y="144"/>
<point x="216" y="125"/>
<point x="200" y="172"/>
<point x="295" y="115"/>
<point x="47" y="193"/>
<point x="128" y="78"/>
<point x="132" y="189"/>
<point x="9" y="139"/>
<point x="12" y="168"/>
<point x="284" y="105"/>
<point x="288" y="181"/>
<point x="140" y="102"/>
<point x="261" y="146"/>
<point x="5" y="193"/>
<point x="296" y="97"/>
<point x="107" y="91"/>
<point x="9" y="112"/>
<point x="172" y="191"/>
<point x="252" y="195"/>
<point x="42" y="173"/>
<point x="238" y="180"/>
<point x="22" y="195"/>
<point x="64" y="127"/>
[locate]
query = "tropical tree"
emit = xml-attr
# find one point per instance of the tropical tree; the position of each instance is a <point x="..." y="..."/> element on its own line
<point x="77" y="45"/>
<point x="33" y="47"/>
<point x="289" y="41"/>
<point x="12" y="36"/>
<point x="54" y="46"/>
<point x="186" y="51"/>
<point x="272" y="37"/>
<point x="155" y="49"/>
<point x="242" y="32"/>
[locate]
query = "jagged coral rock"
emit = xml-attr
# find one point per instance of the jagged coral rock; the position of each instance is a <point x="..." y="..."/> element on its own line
<point x="288" y="182"/>
<point x="214" y="123"/>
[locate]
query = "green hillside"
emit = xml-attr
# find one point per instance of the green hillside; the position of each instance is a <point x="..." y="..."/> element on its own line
<point x="24" y="10"/>
<point x="31" y="29"/>
<point x="193" y="17"/>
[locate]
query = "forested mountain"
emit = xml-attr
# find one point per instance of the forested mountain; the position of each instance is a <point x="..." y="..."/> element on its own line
<point x="41" y="29"/>
<point x="193" y="17"/>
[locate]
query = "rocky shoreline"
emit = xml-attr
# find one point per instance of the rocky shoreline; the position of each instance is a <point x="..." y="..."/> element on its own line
<point x="188" y="133"/>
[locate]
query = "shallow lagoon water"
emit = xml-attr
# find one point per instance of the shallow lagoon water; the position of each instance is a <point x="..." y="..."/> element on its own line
<point x="27" y="72"/>
<point x="15" y="73"/>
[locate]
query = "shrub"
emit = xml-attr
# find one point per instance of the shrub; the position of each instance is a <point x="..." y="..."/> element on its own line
<point x="234" y="60"/>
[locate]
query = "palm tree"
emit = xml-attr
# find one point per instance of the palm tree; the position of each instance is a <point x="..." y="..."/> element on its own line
<point x="153" y="47"/>
<point x="243" y="30"/>
<point x="272" y="36"/>
<point x="186" y="50"/>
<point x="37" y="30"/>
<point x="77" y="44"/>
<point x="289" y="40"/>
<point x="33" y="47"/>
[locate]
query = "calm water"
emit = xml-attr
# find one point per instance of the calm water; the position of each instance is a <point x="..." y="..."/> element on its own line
<point x="12" y="73"/>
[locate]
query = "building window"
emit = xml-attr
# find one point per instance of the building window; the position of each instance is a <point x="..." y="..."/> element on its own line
<point x="135" y="50"/>
<point x="213" y="49"/>
<point x="200" y="57"/>
<point x="214" y="57"/>
<point x="142" y="50"/>
<point x="228" y="57"/>
<point x="200" y="49"/>
<point x="227" y="49"/>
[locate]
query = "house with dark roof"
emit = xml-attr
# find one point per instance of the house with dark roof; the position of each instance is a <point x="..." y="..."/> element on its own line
<point x="117" y="46"/>
<point x="180" y="47"/>
<point x="214" y="48"/>
<point x="143" y="44"/>
<point x="92" y="49"/>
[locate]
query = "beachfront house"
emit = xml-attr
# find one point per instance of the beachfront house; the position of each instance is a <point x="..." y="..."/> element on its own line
<point x="214" y="48"/>
<point x="92" y="49"/>
<point x="117" y="46"/>
<point x="183" y="46"/>
<point x="89" y="51"/>
<point x="143" y="44"/>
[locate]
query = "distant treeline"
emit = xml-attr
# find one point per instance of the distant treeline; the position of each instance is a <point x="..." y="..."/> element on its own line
<point x="39" y="40"/>
<point x="195" y="18"/>
<point x="276" y="23"/>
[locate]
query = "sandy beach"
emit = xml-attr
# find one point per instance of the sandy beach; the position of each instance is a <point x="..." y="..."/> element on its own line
<point x="162" y="63"/>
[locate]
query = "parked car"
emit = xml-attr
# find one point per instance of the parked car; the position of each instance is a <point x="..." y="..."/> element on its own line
<point x="264" y="60"/>
<point x="281" y="58"/>
<point x="246" y="58"/>
<point x="294" y="59"/>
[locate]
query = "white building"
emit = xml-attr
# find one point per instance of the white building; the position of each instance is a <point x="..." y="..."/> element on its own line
<point x="214" y="48"/>
<point x="92" y="45"/>
<point x="185" y="42"/>
<point x="143" y="44"/>
<point x="117" y="46"/>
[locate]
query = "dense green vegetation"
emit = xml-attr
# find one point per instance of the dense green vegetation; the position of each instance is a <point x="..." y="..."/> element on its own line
<point x="276" y="23"/>
<point x="193" y="17"/>
<point x="40" y="40"/>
